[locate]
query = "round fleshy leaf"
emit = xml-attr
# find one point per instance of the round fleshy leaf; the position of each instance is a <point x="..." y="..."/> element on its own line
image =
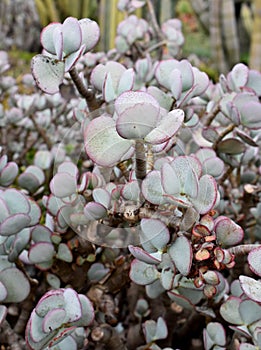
<point x="72" y="305"/>
<point x="94" y="211"/>
<point x="138" y="114"/>
<point x="51" y="299"/>
<point x="207" y="194"/>
<point x="102" y="142"/>
<point x="102" y="196"/>
<point x="250" y="113"/>
<point x="249" y="311"/>
<point x="14" y="223"/>
<point x="214" y="335"/>
<point x="152" y="189"/>
<point x="170" y="180"/>
<point x="11" y="278"/>
<point x="228" y="233"/>
<point x="251" y="288"/>
<point x="63" y="185"/>
<point x="47" y="39"/>
<point x="16" y="201"/>
<point x="72" y="35"/>
<point x="142" y="255"/>
<point x="176" y="86"/>
<point x="181" y="254"/>
<point x="239" y="75"/>
<point x="154" y="231"/>
<point x="167" y="128"/>
<point x="231" y="146"/>
<point x="64" y="253"/>
<point x="229" y="310"/>
<point x="131" y="191"/>
<point x="53" y="320"/>
<point x="181" y="300"/>
<point x="142" y="273"/>
<point x="43" y="159"/>
<point x="34" y="213"/>
<point x="90" y="33"/>
<point x="254" y="261"/>
<point x="87" y="310"/>
<point x="96" y="272"/>
<point x="3" y="292"/>
<point x="8" y="174"/>
<point x="48" y="73"/>
<point x="58" y="42"/>
<point x="126" y="81"/>
<point x="69" y="168"/>
<point x="41" y="252"/>
<point x="3" y="313"/>
<point x="109" y="94"/>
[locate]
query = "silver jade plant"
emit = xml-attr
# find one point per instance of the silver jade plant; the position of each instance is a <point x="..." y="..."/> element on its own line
<point x="143" y="186"/>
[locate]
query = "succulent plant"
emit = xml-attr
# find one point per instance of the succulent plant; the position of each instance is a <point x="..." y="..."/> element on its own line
<point x="57" y="314"/>
<point x="149" y="154"/>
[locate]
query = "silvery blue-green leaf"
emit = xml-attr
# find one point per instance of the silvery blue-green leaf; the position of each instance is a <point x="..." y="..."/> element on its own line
<point x="53" y="280"/>
<point x="3" y="292"/>
<point x="126" y="81"/>
<point x="238" y="76"/>
<point x="102" y="142"/>
<point x="3" y="313"/>
<point x="131" y="191"/>
<point x="14" y="223"/>
<point x="72" y="305"/>
<point x="53" y="320"/>
<point x="227" y="231"/>
<point x="207" y="195"/>
<point x="167" y="127"/>
<point x="41" y="252"/>
<point x="3" y="161"/>
<point x="214" y="334"/>
<point x="154" y="231"/>
<point x="254" y="260"/>
<point x="254" y="78"/>
<point x="16" y="201"/>
<point x="152" y="188"/>
<point x="176" y="85"/>
<point x="8" y="174"/>
<point x="181" y="254"/>
<point x="161" y="329"/>
<point x="11" y="277"/>
<point x="181" y="300"/>
<point x="138" y="114"/>
<point x="90" y="33"/>
<point x="63" y="185"/>
<point x="102" y="196"/>
<point x="231" y="146"/>
<point x="64" y="253"/>
<point x="68" y="167"/>
<point x="94" y="211"/>
<point x="48" y="73"/>
<point x="142" y="273"/>
<point x="72" y="35"/>
<point x="142" y="255"/>
<point x="154" y="289"/>
<point x="97" y="271"/>
<point x="47" y="37"/>
<point x="87" y="311"/>
<point x="109" y="94"/>
<point x="249" y="115"/>
<point x="43" y="159"/>
<point x="170" y="180"/>
<point x="229" y="310"/>
<point x="250" y="311"/>
<point x="201" y="81"/>
<point x="51" y="299"/>
<point x="251" y="287"/>
<point x="165" y="101"/>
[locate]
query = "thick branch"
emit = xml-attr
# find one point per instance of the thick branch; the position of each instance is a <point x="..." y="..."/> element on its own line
<point x="87" y="94"/>
<point x="140" y="154"/>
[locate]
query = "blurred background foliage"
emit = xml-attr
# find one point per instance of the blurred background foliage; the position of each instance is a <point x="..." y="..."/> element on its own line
<point x="219" y="33"/>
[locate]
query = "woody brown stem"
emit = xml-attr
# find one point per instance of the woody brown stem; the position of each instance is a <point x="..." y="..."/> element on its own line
<point x="86" y="93"/>
<point x="140" y="158"/>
